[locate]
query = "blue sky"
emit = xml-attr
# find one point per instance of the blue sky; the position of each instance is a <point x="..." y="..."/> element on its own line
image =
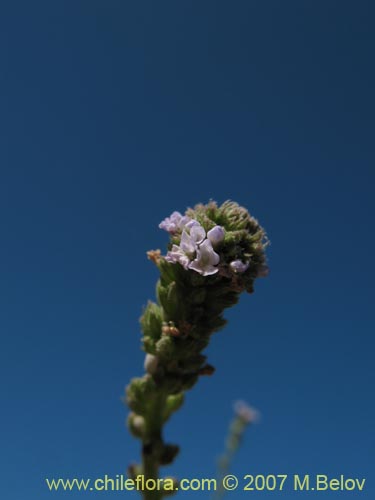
<point x="112" y="115"/>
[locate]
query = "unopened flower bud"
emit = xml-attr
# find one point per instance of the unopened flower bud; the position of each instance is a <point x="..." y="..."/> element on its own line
<point x="136" y="424"/>
<point x="151" y="364"/>
<point x="238" y="266"/>
<point x="170" y="329"/>
<point x="216" y="235"/>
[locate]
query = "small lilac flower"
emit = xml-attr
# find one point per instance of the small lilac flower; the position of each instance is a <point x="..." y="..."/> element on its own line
<point x="184" y="253"/>
<point x="246" y="413"/>
<point x="177" y="255"/>
<point x="195" y="230"/>
<point x="206" y="260"/>
<point x="174" y="222"/>
<point x="216" y="235"/>
<point x="188" y="244"/>
<point x="238" y="266"/>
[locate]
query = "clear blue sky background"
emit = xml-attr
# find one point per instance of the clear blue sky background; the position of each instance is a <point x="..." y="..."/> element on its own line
<point x="115" y="113"/>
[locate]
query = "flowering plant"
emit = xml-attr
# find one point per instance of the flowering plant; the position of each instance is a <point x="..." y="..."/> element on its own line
<point x="215" y="253"/>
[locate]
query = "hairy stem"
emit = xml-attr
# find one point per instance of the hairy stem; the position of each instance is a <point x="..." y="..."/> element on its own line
<point x="150" y="471"/>
<point x="152" y="444"/>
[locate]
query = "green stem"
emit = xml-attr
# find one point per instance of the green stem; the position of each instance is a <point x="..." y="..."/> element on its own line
<point x="150" y="471"/>
<point x="152" y="442"/>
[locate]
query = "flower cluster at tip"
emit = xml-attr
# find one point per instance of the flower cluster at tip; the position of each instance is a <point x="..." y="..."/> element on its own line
<point x="196" y="239"/>
<point x="215" y="253"/>
<point x="196" y="248"/>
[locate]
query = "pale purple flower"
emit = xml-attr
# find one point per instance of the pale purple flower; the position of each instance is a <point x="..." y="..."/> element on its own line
<point x="238" y="266"/>
<point x="177" y="255"/>
<point x="175" y="222"/>
<point x="216" y="235"/>
<point x="246" y="413"/>
<point x="206" y="260"/>
<point x="184" y="253"/>
<point x="188" y="244"/>
<point x="194" y="251"/>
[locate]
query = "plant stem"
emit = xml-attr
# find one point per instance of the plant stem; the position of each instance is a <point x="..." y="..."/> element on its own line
<point x="151" y="444"/>
<point x="150" y="471"/>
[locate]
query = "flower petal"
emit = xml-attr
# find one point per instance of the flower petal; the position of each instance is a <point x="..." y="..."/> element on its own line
<point x="216" y="235"/>
<point x="204" y="271"/>
<point x="187" y="244"/>
<point x="197" y="233"/>
<point x="208" y="254"/>
<point x="176" y="255"/>
<point x="206" y="260"/>
<point x="174" y="222"/>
